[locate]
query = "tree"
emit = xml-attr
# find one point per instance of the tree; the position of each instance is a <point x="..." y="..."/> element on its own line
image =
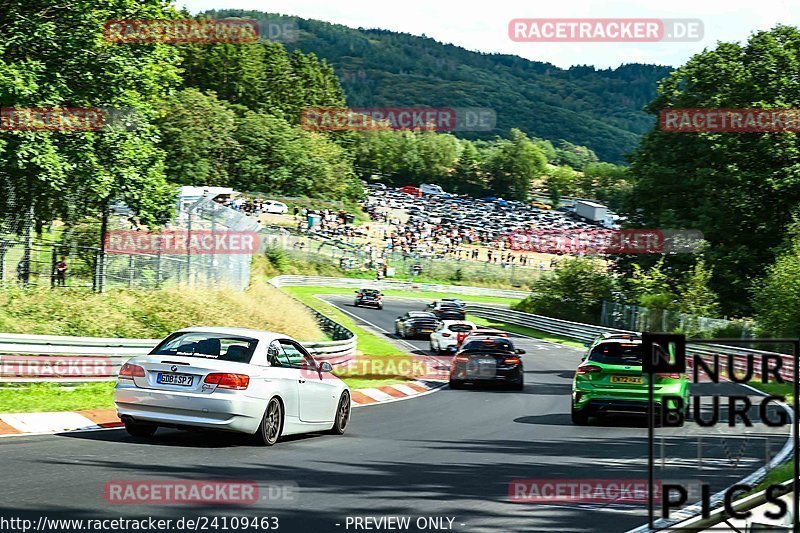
<point x="695" y="294"/>
<point x="651" y="288"/>
<point x="68" y="175"/>
<point x="740" y="189"/>
<point x="574" y="291"/>
<point x="197" y="132"/>
<point x="776" y="296"/>
<point x="513" y="165"/>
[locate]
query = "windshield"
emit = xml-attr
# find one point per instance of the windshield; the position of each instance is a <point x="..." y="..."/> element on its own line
<point x="614" y="353"/>
<point x="460" y="327"/>
<point x="208" y="346"/>
<point x="489" y="345"/>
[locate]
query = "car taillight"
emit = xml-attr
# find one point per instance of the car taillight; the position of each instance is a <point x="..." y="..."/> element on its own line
<point x="461" y="358"/>
<point x="228" y="381"/>
<point x="514" y="360"/>
<point x="445" y="334"/>
<point x="588" y="369"/>
<point x="129" y="371"/>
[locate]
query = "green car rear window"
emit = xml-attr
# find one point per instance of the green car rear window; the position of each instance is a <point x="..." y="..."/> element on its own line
<point x="611" y="353"/>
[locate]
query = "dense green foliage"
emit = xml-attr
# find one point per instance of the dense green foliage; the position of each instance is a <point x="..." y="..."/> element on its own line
<point x="60" y="175"/>
<point x="575" y="291"/>
<point x="741" y="189"/>
<point x="504" y="167"/>
<point x="237" y="123"/>
<point x="777" y="301"/>
<point x="601" y="109"/>
<point x="234" y="122"/>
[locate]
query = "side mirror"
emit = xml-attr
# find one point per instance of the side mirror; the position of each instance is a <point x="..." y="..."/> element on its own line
<point x="520" y="352"/>
<point x="355" y="292"/>
<point x="325" y="367"/>
<point x="587" y="344"/>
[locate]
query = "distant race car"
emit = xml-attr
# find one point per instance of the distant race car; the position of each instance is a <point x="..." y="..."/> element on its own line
<point x="369" y="298"/>
<point x="610" y="381"/>
<point x="450" y="334"/>
<point x="456" y="301"/>
<point x="256" y="382"/>
<point x="415" y="324"/>
<point x="487" y="360"/>
<point x="445" y="310"/>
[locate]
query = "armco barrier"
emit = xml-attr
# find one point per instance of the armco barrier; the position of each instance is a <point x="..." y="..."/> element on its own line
<point x="299" y="281"/>
<point x="589" y="332"/>
<point x="118" y="351"/>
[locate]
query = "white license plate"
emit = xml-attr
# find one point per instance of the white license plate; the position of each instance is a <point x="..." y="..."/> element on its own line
<point x="482" y="368"/>
<point x="184" y="380"/>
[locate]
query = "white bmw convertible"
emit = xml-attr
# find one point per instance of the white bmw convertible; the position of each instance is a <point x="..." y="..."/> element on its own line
<point x="256" y="382"/>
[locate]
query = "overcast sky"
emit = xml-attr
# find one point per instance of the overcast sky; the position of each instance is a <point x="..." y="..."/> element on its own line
<point x="483" y="25"/>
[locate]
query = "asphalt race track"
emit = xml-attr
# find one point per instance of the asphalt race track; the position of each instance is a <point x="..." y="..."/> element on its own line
<point x="448" y="454"/>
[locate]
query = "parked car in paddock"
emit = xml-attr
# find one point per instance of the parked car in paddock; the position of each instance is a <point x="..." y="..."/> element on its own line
<point x="411" y="190"/>
<point x="415" y="324"/>
<point x="369" y="298"/>
<point x="610" y="381"/>
<point x="275" y="207"/>
<point x="447" y="310"/>
<point x="257" y="382"/>
<point x="487" y="360"/>
<point x="450" y="334"/>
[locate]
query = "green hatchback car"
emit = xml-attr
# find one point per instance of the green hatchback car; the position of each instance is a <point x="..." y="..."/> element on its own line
<point x="610" y="381"/>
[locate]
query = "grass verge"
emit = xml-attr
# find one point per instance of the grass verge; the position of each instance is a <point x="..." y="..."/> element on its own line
<point x="369" y="344"/>
<point x="38" y="397"/>
<point x="530" y="332"/>
<point x="425" y="295"/>
<point x="152" y="314"/>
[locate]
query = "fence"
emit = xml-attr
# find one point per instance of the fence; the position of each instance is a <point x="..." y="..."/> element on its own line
<point x="321" y="281"/>
<point x="32" y="262"/>
<point x="586" y="333"/>
<point x="631" y="317"/>
<point x="117" y="351"/>
<point x="343" y="252"/>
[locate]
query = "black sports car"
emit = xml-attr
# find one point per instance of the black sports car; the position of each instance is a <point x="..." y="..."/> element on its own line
<point x="415" y="324"/>
<point x="445" y="310"/>
<point x="487" y="360"/>
<point x="369" y="298"/>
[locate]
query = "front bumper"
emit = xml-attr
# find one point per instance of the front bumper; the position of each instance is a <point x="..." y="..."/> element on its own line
<point x="224" y="410"/>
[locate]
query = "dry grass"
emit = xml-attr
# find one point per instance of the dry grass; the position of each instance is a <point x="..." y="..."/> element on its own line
<point x="152" y="314"/>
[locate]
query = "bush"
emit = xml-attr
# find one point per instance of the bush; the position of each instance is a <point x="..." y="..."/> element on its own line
<point x="575" y="291"/>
